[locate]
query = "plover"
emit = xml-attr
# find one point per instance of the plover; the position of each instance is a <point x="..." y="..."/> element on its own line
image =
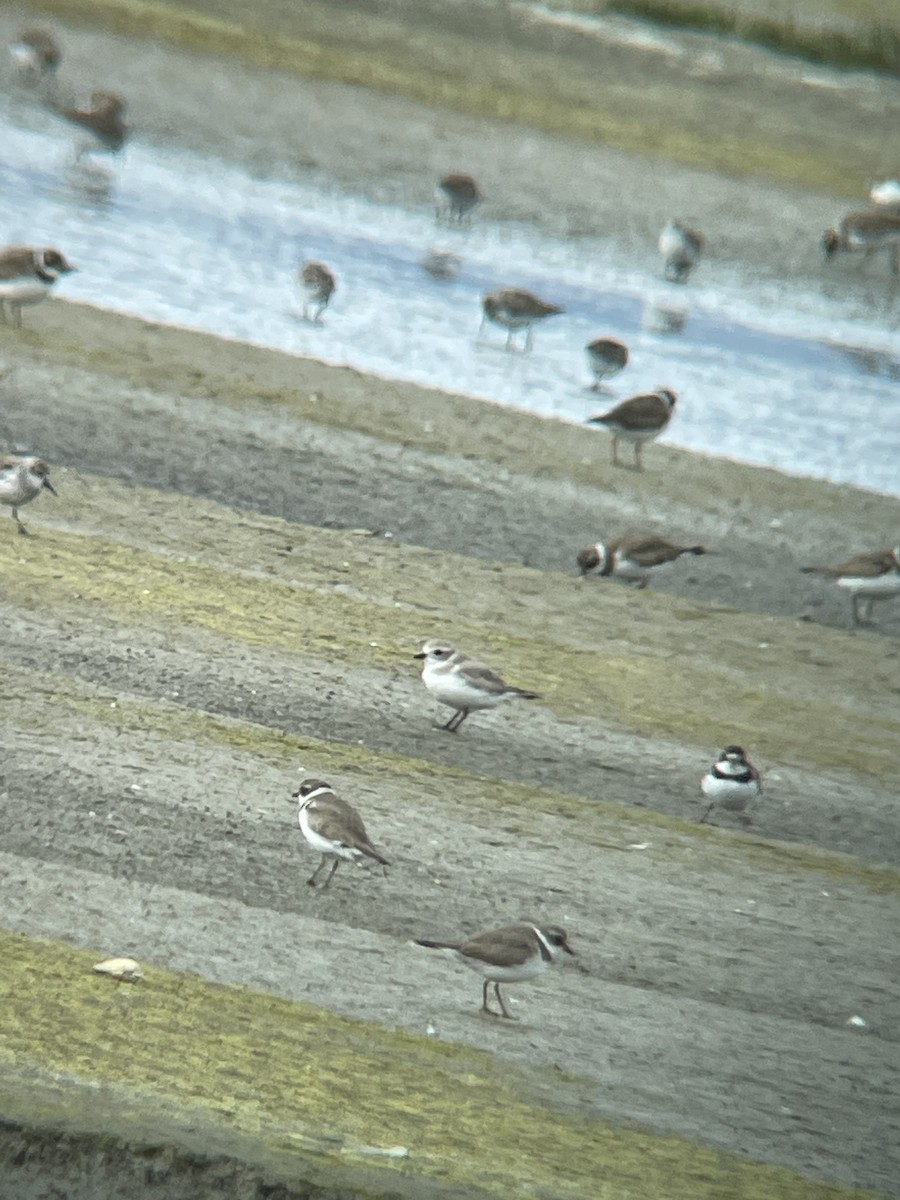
<point x="35" y="54"/>
<point x="681" y="249"/>
<point x="27" y="275"/>
<point x="731" y="783"/>
<point x="319" y="285"/>
<point x="456" y="195"/>
<point x="103" y="123"/>
<point x="515" y="308"/>
<point x="606" y="357"/>
<point x="442" y="264"/>
<point x="21" y="480"/>
<point x="638" y="420"/>
<point x="506" y="955"/>
<point x="866" y="233"/>
<point x="632" y="556"/>
<point x="870" y="576"/>
<point x="463" y="683"/>
<point x="333" y="827"/>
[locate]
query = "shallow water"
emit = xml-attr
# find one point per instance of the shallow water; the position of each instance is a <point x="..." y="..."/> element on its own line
<point x="795" y="380"/>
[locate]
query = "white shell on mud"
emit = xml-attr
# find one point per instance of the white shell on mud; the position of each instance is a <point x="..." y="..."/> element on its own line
<point x="124" y="969"/>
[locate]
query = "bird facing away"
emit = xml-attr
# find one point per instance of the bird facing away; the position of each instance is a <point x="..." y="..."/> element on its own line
<point x="21" y="480"/>
<point x="867" y="233"/>
<point x="606" y="358"/>
<point x="632" y="556"/>
<point x="513" y="309"/>
<point x="506" y="955"/>
<point x="35" y="54"/>
<point x="333" y="827"/>
<point x="318" y="284"/>
<point x="731" y="783"/>
<point x="103" y="121"/>
<point x="456" y="195"/>
<point x="27" y="275"/>
<point x="463" y="683"/>
<point x="638" y="420"/>
<point x="681" y="249"/>
<point x="868" y="577"/>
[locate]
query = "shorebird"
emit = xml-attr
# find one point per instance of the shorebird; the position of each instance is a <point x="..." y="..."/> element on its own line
<point x="731" y="783"/>
<point x="35" y="54"/>
<point x="607" y="357"/>
<point x="21" y="481"/>
<point x="681" y="249"/>
<point x="866" y="232"/>
<point x="27" y="275"/>
<point x="506" y="955"/>
<point x="515" y="308"/>
<point x="638" y="420"/>
<point x="442" y="264"/>
<point x="456" y="194"/>
<point x="103" y="123"/>
<point x="319" y="284"/>
<point x="870" y="576"/>
<point x="463" y="683"/>
<point x="632" y="556"/>
<point x="333" y="827"/>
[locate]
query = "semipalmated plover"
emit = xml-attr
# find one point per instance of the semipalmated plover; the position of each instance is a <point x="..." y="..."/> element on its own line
<point x="607" y="357"/>
<point x="681" y="248"/>
<point x="866" y="233"/>
<point x="731" y="783"/>
<point x="318" y="283"/>
<point x="21" y="480"/>
<point x="515" y="308"/>
<point x="27" y="274"/>
<point x="103" y="121"/>
<point x="870" y="576"/>
<point x="456" y="194"/>
<point x="506" y="955"/>
<point x="463" y="683"/>
<point x="333" y="827"/>
<point x="638" y="420"/>
<point x="632" y="556"/>
<point x="35" y="54"/>
<point x="442" y="264"/>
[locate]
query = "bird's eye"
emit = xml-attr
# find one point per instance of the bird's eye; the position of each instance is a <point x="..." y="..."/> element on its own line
<point x="440" y="653"/>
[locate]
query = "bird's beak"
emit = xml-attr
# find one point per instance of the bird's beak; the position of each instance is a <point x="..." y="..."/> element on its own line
<point x="50" y="488"/>
<point x="294" y="795"/>
<point x="568" y="949"/>
<point x="421" y="654"/>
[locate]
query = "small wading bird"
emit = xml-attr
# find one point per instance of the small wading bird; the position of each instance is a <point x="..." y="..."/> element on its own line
<point x="681" y="249"/>
<point x="35" y="54"/>
<point x="731" y="783"/>
<point x="606" y="357"/>
<point x="868" y="577"/>
<point x="27" y="275"/>
<point x="319" y="285"/>
<point x="638" y="420"/>
<point x="513" y="309"/>
<point x="456" y="195"/>
<point x="506" y="955"/>
<point x="442" y="264"/>
<point x="865" y="233"/>
<point x="102" y="124"/>
<point x="333" y="827"/>
<point x="463" y="683"/>
<point x="632" y="557"/>
<point x="21" y="481"/>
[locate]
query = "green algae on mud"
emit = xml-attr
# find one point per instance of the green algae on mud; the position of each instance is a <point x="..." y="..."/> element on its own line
<point x="284" y="1077"/>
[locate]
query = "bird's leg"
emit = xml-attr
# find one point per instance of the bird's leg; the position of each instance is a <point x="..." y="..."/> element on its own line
<point x="21" y="527"/>
<point x="638" y="450"/>
<point x="315" y="875"/>
<point x="528" y="337"/>
<point x="615" y="449"/>
<point x="456" y="720"/>
<point x="16" y="310"/>
<point x="503" y="1007"/>
<point x="334" y="867"/>
<point x="702" y="820"/>
<point x="485" y="1007"/>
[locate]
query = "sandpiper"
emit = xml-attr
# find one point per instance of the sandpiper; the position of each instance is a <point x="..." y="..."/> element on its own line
<point x="35" y="54"/>
<point x="456" y="195"/>
<point x="607" y="357"/>
<point x="319" y="284"/>
<point x="632" y="556"/>
<point x="27" y="275"/>
<point x="681" y="249"/>
<point x="21" y="481"/>
<point x="638" y="420"/>
<point x="516" y="308"/>
<point x="506" y="955"/>
<point x="866" y="233"/>
<point x="731" y="783"/>
<point x="103" y="123"/>
<point x="333" y="827"/>
<point x="463" y="683"/>
<point x="868" y="577"/>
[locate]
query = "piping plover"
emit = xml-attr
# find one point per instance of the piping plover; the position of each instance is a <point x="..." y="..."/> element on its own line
<point x="632" y="556"/>
<point x="456" y="195"/>
<point x="103" y="121"/>
<point x="506" y="955"/>
<point x="606" y="358"/>
<point x="731" y="783"/>
<point x="35" y="54"/>
<point x="27" y="274"/>
<point x="681" y="249"/>
<point x="463" y="683"/>
<point x="515" y="308"/>
<point x="319" y="284"/>
<point x="870" y="576"/>
<point x="866" y="233"/>
<point x="333" y="827"/>
<point x="21" y="480"/>
<point x="638" y="420"/>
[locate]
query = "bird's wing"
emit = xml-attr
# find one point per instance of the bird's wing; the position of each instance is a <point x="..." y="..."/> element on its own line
<point x="501" y="947"/>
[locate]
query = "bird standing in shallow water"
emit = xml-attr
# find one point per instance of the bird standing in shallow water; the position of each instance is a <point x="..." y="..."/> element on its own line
<point x="35" y="54"/>
<point x="513" y="309"/>
<point x="606" y="357"/>
<point x="319" y="285"/>
<point x="457" y="194"/>
<point x="102" y="123"/>
<point x="681" y="249"/>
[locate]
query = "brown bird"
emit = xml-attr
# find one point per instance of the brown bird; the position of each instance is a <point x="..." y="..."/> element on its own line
<point x="638" y="420"/>
<point x="333" y="827"/>
<point x="607" y="357"/>
<point x="870" y="576"/>
<point x="103" y="122"/>
<point x="632" y="556"/>
<point x="457" y="194"/>
<point x="442" y="264"/>
<point x="866" y="232"/>
<point x="681" y="249"/>
<point x="27" y="275"/>
<point x="35" y="54"/>
<point x="319" y="285"/>
<point x="515" y="308"/>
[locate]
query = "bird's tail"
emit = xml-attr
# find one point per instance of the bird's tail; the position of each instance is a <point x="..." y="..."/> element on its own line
<point x="817" y="570"/>
<point x="696" y="550"/>
<point x="526" y="695"/>
<point x="371" y="852"/>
